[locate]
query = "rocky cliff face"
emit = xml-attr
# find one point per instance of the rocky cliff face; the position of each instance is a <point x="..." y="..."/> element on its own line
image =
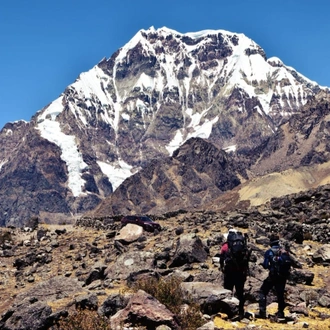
<point x="196" y="174"/>
<point x="262" y="171"/>
<point x="150" y="97"/>
<point x="302" y="141"/>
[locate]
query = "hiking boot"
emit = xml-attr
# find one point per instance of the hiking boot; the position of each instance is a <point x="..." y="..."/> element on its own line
<point x="280" y="315"/>
<point x="261" y="315"/>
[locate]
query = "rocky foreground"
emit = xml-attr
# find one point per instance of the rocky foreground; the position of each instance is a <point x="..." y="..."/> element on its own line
<point x="47" y="272"/>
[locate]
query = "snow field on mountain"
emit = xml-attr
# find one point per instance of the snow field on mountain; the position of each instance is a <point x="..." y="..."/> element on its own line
<point x="51" y="131"/>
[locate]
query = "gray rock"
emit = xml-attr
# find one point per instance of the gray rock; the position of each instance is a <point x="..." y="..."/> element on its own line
<point x="205" y="291"/>
<point x="148" y="310"/>
<point x="128" y="263"/>
<point x="88" y="301"/>
<point x="163" y="327"/>
<point x="28" y="314"/>
<point x="322" y="254"/>
<point x="113" y="304"/>
<point x="324" y="301"/>
<point x="97" y="273"/>
<point x="129" y="233"/>
<point x="302" y="276"/>
<point x="53" y="289"/>
<point x="189" y="249"/>
<point x="207" y="326"/>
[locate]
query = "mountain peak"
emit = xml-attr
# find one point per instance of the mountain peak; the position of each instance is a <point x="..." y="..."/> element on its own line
<point x="159" y="90"/>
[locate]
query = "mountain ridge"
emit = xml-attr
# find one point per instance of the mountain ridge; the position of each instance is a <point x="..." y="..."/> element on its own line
<point x="298" y="151"/>
<point x="151" y="96"/>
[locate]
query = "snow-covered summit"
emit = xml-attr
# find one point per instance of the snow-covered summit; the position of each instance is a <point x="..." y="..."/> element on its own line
<point x="159" y="90"/>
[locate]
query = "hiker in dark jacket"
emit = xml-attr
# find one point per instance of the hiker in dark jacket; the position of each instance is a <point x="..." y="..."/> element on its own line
<point x="235" y="271"/>
<point x="277" y="277"/>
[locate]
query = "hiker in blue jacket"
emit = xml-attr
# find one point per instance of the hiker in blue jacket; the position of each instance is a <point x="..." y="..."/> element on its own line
<point x="278" y="262"/>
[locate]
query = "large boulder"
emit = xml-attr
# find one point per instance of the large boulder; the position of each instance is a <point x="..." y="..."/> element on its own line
<point x="129" y="233"/>
<point x="88" y="301"/>
<point x="113" y="304"/>
<point x="322" y="255"/>
<point x="212" y="297"/>
<point x="97" y="273"/>
<point x="58" y="287"/>
<point x="302" y="276"/>
<point x="29" y="314"/>
<point x="32" y="308"/>
<point x="145" y="310"/>
<point x="189" y="249"/>
<point x="129" y="263"/>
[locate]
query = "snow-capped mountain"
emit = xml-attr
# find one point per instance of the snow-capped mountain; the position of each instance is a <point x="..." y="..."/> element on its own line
<point x="152" y="95"/>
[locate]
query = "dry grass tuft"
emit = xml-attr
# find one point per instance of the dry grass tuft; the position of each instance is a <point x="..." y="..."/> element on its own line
<point x="83" y="320"/>
<point x="168" y="291"/>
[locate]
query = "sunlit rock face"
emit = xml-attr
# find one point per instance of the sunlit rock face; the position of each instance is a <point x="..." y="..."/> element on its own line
<point x="140" y="105"/>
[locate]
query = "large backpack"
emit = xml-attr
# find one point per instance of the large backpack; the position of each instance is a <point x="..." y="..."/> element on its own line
<point x="280" y="262"/>
<point x="238" y="250"/>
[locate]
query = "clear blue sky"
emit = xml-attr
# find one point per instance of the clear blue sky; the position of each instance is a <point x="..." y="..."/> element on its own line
<point x="46" y="44"/>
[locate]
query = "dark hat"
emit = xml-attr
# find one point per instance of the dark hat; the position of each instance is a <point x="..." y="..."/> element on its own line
<point x="274" y="239"/>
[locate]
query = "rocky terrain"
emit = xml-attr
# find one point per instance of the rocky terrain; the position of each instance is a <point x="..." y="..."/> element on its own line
<point x="48" y="271"/>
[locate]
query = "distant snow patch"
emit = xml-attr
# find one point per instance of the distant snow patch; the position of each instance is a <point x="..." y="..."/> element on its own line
<point x="89" y="85"/>
<point x="130" y="45"/>
<point x="125" y="116"/>
<point x="301" y="75"/>
<point x="230" y="148"/>
<point x="3" y="163"/>
<point x="204" y="33"/>
<point x="145" y="81"/>
<point x="175" y="143"/>
<point x="51" y="131"/>
<point x="116" y="173"/>
<point x="54" y="109"/>
<point x="202" y="131"/>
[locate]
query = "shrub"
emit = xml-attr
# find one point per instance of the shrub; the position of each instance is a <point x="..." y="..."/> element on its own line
<point x="168" y="291"/>
<point x="5" y="236"/>
<point x="308" y="236"/>
<point x="83" y="319"/>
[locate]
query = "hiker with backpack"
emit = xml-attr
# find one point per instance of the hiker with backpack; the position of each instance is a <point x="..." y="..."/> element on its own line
<point x="234" y="263"/>
<point x="277" y="260"/>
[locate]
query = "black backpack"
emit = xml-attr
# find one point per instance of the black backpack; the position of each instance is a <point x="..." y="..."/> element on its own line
<point x="238" y="250"/>
<point x="280" y="262"/>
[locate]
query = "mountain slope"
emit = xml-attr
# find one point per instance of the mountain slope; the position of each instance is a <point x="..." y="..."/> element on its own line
<point x="197" y="173"/>
<point x="261" y="190"/>
<point x="151" y="96"/>
<point x="303" y="140"/>
<point x="273" y="169"/>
